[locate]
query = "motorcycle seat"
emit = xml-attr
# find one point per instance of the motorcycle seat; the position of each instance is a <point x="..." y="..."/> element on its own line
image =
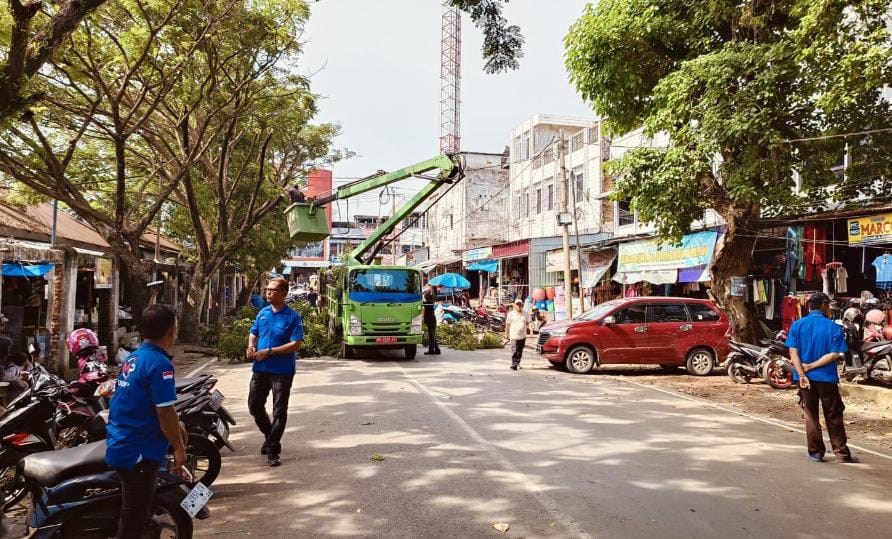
<point x="750" y="346"/>
<point x="183" y="383"/>
<point x="874" y="344"/>
<point x="49" y="468"/>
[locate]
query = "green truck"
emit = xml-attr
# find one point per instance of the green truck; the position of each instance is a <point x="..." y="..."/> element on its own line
<point x="368" y="305"/>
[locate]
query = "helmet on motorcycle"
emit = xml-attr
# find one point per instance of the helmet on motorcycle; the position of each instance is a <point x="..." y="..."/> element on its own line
<point x="851" y="314"/>
<point x="81" y="341"/>
<point x="875" y="316"/>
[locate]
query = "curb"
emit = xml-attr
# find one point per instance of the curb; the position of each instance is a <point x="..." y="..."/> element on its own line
<point x="879" y="395"/>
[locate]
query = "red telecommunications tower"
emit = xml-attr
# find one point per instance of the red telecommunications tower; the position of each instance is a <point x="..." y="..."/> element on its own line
<point x="450" y="80"/>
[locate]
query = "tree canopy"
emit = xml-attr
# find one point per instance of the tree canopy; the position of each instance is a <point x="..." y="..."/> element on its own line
<point x="502" y="42"/>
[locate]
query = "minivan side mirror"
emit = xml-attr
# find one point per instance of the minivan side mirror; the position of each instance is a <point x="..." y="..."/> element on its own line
<point x="609" y="321"/>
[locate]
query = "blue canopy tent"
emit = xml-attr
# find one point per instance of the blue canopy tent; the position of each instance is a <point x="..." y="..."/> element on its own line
<point x="489" y="266"/>
<point x="17" y="269"/>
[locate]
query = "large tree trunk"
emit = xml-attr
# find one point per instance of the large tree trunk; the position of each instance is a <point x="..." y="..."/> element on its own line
<point x="244" y="296"/>
<point x="735" y="260"/>
<point x="190" y="321"/>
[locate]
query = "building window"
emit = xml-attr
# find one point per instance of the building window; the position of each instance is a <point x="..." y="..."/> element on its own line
<point x="515" y="152"/>
<point x="526" y="204"/>
<point x="525" y="149"/>
<point x="538" y="200"/>
<point x="549" y="199"/>
<point x="579" y="183"/>
<point x="451" y="223"/>
<point x="593" y="135"/>
<point x="624" y="214"/>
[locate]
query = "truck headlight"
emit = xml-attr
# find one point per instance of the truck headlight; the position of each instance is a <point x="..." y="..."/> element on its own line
<point x="416" y="324"/>
<point x="355" y="325"/>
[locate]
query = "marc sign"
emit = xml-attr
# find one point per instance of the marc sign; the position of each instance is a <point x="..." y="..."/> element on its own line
<point x="870" y="230"/>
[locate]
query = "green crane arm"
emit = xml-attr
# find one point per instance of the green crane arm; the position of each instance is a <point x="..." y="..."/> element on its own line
<point x="450" y="170"/>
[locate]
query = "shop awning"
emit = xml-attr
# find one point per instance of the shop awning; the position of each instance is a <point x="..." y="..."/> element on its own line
<point x="650" y="276"/>
<point x="512" y="249"/>
<point x="489" y="266"/>
<point x="428" y="265"/>
<point x="16" y="269"/>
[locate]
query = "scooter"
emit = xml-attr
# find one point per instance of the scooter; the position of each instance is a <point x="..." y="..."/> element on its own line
<point x="75" y="494"/>
<point x="871" y="360"/>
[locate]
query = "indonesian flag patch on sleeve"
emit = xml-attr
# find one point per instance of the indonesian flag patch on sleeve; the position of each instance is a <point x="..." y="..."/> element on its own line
<point x="167" y="375"/>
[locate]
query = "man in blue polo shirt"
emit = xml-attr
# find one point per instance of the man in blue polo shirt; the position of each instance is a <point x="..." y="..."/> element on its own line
<point x="816" y="344"/>
<point x="276" y="335"/>
<point x="143" y="421"/>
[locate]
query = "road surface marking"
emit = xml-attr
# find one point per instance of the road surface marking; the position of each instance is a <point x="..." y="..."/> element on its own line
<point x="773" y="422"/>
<point x="200" y="368"/>
<point x="538" y="493"/>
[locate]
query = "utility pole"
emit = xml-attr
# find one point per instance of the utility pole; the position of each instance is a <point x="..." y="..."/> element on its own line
<point x="578" y="251"/>
<point x="565" y="222"/>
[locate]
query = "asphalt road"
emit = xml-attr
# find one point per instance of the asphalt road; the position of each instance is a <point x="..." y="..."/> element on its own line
<point x="467" y="443"/>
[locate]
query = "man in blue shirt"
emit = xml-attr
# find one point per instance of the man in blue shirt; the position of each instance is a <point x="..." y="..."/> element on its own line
<point x="143" y="421"/>
<point x="276" y="335"/>
<point x="816" y="345"/>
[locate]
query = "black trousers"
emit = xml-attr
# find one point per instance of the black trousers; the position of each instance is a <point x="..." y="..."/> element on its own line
<point x="825" y="394"/>
<point x="517" y="350"/>
<point x="261" y="385"/>
<point x="432" y="345"/>
<point x="137" y="494"/>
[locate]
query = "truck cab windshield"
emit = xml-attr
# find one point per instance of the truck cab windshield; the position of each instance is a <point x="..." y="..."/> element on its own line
<point x="385" y="286"/>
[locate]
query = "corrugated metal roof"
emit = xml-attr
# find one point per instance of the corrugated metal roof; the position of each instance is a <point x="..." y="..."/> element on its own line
<point x="36" y="222"/>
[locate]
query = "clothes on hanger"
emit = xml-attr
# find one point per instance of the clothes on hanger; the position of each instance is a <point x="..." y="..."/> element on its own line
<point x="789" y="312"/>
<point x="883" y="265"/>
<point x="815" y="250"/>
<point x="791" y="254"/>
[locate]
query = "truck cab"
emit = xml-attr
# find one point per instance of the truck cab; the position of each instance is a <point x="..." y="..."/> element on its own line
<point x="376" y="307"/>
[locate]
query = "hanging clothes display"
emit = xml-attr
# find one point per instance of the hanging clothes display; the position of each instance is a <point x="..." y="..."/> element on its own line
<point x="791" y="253"/>
<point x="842" y="282"/>
<point x="883" y="265"/>
<point x="789" y="311"/>
<point x="814" y="250"/>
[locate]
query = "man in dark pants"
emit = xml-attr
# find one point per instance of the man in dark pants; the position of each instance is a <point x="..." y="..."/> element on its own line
<point x="816" y="344"/>
<point x="516" y="331"/>
<point x="276" y="335"/>
<point x="143" y="421"/>
<point x="430" y="321"/>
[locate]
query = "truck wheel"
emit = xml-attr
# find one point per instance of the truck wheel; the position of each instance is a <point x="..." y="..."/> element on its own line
<point x="410" y="351"/>
<point x="346" y="351"/>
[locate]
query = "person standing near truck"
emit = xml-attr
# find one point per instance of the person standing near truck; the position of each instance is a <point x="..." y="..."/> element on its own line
<point x="430" y="321"/>
<point x="277" y="334"/>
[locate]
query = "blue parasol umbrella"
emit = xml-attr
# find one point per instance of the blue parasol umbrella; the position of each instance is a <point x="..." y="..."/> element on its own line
<point x="450" y="280"/>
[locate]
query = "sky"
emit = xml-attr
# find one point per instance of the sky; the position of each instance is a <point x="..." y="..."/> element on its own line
<point x="376" y="66"/>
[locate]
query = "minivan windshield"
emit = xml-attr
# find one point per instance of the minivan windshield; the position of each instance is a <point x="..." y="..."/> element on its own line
<point x="599" y="310"/>
<point x="385" y="285"/>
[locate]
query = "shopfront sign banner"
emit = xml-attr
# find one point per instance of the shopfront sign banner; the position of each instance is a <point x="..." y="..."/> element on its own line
<point x="694" y="250"/>
<point x="481" y="253"/>
<point x="102" y="277"/>
<point x="649" y="276"/>
<point x="870" y="230"/>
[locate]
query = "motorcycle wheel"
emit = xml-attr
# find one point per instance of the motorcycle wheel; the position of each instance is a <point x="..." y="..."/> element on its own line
<point x="169" y="521"/>
<point x="776" y="376"/>
<point x="12" y="484"/>
<point x="738" y="377"/>
<point x="73" y="433"/>
<point x="203" y="459"/>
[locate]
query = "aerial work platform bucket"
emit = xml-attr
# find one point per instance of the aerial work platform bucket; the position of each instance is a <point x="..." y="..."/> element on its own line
<point x="307" y="226"/>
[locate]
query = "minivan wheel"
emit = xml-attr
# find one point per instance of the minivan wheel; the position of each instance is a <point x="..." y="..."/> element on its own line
<point x="580" y="360"/>
<point x="700" y="362"/>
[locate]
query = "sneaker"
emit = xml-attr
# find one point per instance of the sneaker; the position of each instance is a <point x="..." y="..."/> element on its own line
<point x="264" y="449"/>
<point x="850" y="459"/>
<point x="513" y="367"/>
<point x="816" y="457"/>
<point x="273" y="460"/>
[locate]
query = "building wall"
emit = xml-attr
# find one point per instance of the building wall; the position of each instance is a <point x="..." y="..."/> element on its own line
<point x="474" y="212"/>
<point x="535" y="176"/>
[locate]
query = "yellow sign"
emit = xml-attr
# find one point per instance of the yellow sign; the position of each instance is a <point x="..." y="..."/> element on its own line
<point x="870" y="230"/>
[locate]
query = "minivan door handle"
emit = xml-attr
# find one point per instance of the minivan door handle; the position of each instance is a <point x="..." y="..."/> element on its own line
<point x="686" y="327"/>
<point x="641" y="329"/>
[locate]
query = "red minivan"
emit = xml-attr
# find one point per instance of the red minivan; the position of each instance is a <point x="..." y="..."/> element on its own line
<point x="664" y="331"/>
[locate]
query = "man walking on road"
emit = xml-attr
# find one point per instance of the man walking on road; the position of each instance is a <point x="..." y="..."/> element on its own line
<point x="276" y="335"/>
<point x="430" y="321"/>
<point x="816" y="344"/>
<point x="516" y="331"/>
<point x="143" y="421"/>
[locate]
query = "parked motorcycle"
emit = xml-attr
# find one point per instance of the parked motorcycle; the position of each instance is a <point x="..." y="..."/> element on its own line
<point x="75" y="494"/>
<point x="769" y="361"/>
<point x="870" y="360"/>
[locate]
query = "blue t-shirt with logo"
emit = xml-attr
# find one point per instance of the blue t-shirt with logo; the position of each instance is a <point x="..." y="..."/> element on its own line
<point x="146" y="382"/>
<point x="275" y="329"/>
<point x="815" y="336"/>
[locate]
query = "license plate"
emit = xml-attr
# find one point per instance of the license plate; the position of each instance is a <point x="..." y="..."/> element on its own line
<point x="196" y="499"/>
<point x="216" y="399"/>
<point x="386" y="340"/>
<point x="222" y="429"/>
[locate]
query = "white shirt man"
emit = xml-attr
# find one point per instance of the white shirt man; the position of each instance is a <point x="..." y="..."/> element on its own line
<point x="516" y="331"/>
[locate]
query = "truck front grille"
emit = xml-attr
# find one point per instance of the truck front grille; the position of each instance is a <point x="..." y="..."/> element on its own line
<point x="385" y="328"/>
